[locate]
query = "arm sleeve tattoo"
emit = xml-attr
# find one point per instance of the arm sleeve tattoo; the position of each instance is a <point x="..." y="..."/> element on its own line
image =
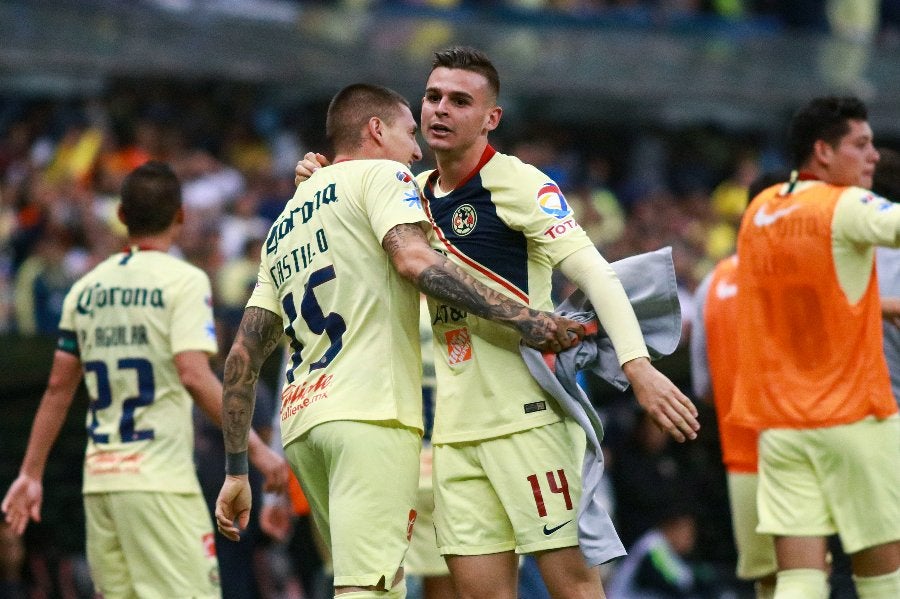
<point x="445" y="281"/>
<point x="257" y="336"/>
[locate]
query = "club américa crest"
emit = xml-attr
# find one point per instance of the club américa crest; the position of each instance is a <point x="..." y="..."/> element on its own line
<point x="463" y="220"/>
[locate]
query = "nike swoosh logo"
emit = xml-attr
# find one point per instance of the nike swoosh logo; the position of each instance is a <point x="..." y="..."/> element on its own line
<point x="550" y="531"/>
<point x="763" y="218"/>
<point x="725" y="290"/>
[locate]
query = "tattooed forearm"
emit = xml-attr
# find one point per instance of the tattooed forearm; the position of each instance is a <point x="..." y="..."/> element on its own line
<point x="437" y="276"/>
<point x="442" y="283"/>
<point x="453" y="285"/>
<point x="257" y="336"/>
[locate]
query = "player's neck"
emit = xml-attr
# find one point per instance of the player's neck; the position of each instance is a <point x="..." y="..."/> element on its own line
<point x="455" y="168"/>
<point x="812" y="171"/>
<point x="159" y="243"/>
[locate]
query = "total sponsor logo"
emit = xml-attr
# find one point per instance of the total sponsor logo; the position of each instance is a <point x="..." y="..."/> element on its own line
<point x="561" y="228"/>
<point x="552" y="201"/>
<point x="295" y="398"/>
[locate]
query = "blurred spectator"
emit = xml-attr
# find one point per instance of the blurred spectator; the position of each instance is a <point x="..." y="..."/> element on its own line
<point x="41" y="285"/>
<point x="648" y="475"/>
<point x="728" y="201"/>
<point x="659" y="565"/>
<point x="12" y="558"/>
<point x="233" y="285"/>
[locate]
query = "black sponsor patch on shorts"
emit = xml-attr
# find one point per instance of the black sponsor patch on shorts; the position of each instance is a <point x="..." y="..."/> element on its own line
<point x="536" y="406"/>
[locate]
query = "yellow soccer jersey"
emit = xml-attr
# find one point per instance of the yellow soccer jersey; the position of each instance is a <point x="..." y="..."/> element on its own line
<point x="508" y="225"/>
<point x="351" y="318"/>
<point x="127" y="319"/>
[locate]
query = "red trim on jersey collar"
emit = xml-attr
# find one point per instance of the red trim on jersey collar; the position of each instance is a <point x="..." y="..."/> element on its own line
<point x="488" y="153"/>
<point x="131" y="249"/>
<point x="797" y="176"/>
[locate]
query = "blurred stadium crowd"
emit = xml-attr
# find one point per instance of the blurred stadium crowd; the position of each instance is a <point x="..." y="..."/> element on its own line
<point x="62" y="162"/>
<point x="881" y="17"/>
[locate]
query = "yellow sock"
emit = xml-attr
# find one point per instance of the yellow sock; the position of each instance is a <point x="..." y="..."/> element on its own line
<point x="886" y="586"/>
<point x="801" y="583"/>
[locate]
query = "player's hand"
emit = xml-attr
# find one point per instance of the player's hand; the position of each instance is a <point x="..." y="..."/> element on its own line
<point x="275" y="520"/>
<point x="233" y="506"/>
<point x="273" y="466"/>
<point x="310" y="163"/>
<point x="549" y="332"/>
<point x="669" y="408"/>
<point x="23" y="503"/>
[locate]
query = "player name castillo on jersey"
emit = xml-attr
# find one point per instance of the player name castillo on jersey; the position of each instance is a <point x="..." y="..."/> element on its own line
<point x="346" y="311"/>
<point x="302" y="256"/>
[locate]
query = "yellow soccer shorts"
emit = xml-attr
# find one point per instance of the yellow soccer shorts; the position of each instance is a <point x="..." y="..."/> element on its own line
<point x="841" y="479"/>
<point x="360" y="479"/>
<point x="518" y="492"/>
<point x="756" y="552"/>
<point x="151" y="545"/>
<point x="423" y="557"/>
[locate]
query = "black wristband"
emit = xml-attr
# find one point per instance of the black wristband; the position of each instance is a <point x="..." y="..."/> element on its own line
<point x="236" y="463"/>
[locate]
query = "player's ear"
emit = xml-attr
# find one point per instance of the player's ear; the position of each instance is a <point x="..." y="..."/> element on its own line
<point x="375" y="129"/>
<point x="823" y="151"/>
<point x="121" y="214"/>
<point x="493" y="118"/>
<point x="179" y="216"/>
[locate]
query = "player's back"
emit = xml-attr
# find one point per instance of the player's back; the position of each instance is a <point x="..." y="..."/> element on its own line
<point x="351" y="318"/>
<point x="131" y="315"/>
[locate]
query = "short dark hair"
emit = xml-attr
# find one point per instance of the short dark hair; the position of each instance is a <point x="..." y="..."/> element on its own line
<point x="468" y="59"/>
<point x="352" y="107"/>
<point x="886" y="181"/>
<point x="826" y="118"/>
<point x="151" y="196"/>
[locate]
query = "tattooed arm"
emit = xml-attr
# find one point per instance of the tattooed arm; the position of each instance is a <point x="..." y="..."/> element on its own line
<point x="257" y="336"/>
<point x="434" y="275"/>
<point x="206" y="390"/>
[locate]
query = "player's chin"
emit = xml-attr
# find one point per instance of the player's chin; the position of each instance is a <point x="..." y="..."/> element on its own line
<point x="438" y="140"/>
